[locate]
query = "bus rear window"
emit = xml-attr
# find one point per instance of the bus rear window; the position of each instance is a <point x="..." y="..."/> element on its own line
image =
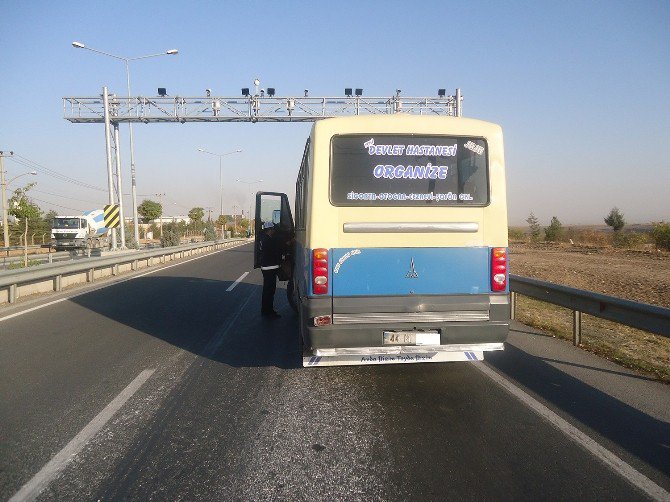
<point x="408" y="170"/>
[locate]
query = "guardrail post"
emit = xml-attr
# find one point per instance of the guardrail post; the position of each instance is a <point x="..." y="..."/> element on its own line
<point x="51" y="257"/>
<point x="12" y="293"/>
<point x="89" y="275"/>
<point x="115" y="269"/>
<point x="576" y="328"/>
<point x="512" y="305"/>
<point x="58" y="283"/>
<point x="135" y="265"/>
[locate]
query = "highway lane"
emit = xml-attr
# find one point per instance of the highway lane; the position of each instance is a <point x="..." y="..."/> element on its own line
<point x="229" y="413"/>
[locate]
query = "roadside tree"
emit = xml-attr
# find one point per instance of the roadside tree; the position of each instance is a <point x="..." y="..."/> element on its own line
<point x="615" y="219"/>
<point x="554" y="231"/>
<point x="28" y="214"/>
<point x="149" y="210"/>
<point x="535" y="228"/>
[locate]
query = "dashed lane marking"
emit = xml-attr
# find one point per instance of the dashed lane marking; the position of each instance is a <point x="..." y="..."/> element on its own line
<point x="240" y="279"/>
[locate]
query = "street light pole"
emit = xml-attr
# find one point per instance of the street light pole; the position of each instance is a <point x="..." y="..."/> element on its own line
<point x="5" y="228"/>
<point x="220" y="155"/>
<point x="79" y="45"/>
<point x="160" y="198"/>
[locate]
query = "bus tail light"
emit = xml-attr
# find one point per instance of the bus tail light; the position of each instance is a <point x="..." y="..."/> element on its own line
<point x="498" y="269"/>
<point x="320" y="271"/>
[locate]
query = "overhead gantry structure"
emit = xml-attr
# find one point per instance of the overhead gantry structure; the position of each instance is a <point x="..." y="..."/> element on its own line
<point x="259" y="106"/>
<point x="252" y="108"/>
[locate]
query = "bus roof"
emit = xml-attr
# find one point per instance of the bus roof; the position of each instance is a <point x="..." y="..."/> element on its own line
<point x="404" y="123"/>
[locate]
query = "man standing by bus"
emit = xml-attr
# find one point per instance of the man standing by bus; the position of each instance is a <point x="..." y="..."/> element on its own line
<point x="270" y="258"/>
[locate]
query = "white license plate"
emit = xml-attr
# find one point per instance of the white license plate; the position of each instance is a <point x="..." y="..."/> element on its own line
<point x="411" y="337"/>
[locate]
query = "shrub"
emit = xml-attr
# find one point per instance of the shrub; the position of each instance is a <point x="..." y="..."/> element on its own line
<point x="630" y="240"/>
<point x="661" y="235"/>
<point x="516" y="234"/>
<point x="171" y="235"/>
<point x="209" y="233"/>
<point x="587" y="237"/>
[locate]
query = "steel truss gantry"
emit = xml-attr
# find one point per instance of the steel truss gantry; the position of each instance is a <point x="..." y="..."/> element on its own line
<point x="256" y="108"/>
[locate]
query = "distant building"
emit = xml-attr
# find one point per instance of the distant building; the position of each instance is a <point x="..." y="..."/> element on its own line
<point x="172" y="219"/>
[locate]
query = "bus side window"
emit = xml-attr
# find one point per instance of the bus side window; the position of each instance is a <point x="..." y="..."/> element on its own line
<point x="301" y="189"/>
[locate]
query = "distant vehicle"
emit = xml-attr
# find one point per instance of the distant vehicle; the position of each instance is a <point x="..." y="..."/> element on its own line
<point x="86" y="231"/>
<point x="400" y="236"/>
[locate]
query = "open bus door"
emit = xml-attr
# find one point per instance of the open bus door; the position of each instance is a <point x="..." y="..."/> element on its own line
<point x="274" y="207"/>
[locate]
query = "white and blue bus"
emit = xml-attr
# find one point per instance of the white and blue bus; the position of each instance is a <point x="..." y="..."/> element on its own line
<point x="400" y="240"/>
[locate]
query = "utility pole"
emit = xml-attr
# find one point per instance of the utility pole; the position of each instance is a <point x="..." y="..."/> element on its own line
<point x="160" y="219"/>
<point x="3" y="185"/>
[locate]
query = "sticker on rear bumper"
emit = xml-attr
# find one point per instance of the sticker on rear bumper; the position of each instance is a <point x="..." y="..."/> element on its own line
<point x="359" y="360"/>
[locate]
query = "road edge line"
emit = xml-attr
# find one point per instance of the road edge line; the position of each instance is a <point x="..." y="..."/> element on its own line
<point x="615" y="463"/>
<point x="48" y="473"/>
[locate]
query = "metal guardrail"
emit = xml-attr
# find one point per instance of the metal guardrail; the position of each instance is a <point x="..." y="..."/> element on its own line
<point x="6" y="250"/>
<point x="637" y="315"/>
<point x="6" y="263"/>
<point x="12" y="279"/>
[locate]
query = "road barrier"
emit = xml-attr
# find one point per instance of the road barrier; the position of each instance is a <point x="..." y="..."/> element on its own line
<point x="634" y="314"/>
<point x="16" y="284"/>
<point x="7" y="250"/>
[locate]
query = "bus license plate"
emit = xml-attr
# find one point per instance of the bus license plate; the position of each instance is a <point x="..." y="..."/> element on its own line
<point x="411" y="337"/>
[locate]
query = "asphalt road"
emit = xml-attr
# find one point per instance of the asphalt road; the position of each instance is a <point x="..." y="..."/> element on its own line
<point x="218" y="407"/>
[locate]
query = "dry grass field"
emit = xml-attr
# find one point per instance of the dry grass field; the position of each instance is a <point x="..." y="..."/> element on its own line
<point x="642" y="276"/>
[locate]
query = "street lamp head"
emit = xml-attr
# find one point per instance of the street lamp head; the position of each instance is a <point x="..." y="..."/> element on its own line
<point x="34" y="173"/>
<point x="200" y="150"/>
<point x="238" y="150"/>
<point x="172" y="51"/>
<point x="78" y="45"/>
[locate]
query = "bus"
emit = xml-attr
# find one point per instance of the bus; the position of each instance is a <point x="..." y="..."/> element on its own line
<point x="398" y="250"/>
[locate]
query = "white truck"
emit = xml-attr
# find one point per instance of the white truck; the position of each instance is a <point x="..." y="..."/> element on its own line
<point x="86" y="231"/>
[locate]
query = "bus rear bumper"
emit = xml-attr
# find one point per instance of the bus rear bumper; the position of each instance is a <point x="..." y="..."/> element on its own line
<point x="398" y="355"/>
<point x="457" y="331"/>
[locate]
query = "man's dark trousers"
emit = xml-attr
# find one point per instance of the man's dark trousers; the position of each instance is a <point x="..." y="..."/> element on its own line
<point x="269" y="288"/>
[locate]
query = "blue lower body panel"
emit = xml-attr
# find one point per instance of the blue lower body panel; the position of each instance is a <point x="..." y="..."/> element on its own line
<point x="410" y="271"/>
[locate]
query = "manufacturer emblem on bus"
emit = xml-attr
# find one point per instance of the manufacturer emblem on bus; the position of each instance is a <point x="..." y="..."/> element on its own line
<point x="412" y="271"/>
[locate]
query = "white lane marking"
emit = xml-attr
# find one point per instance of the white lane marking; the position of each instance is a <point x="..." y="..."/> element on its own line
<point x="240" y="279"/>
<point x="610" y="459"/>
<point x="32" y="309"/>
<point x="35" y="308"/>
<point x="32" y="488"/>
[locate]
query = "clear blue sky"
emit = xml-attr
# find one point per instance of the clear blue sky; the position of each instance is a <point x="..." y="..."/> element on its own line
<point x="582" y="90"/>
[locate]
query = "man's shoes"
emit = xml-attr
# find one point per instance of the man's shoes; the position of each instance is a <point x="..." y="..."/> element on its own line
<point x="271" y="315"/>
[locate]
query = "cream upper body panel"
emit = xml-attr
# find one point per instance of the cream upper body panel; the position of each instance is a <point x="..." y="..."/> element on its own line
<point x="330" y="226"/>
